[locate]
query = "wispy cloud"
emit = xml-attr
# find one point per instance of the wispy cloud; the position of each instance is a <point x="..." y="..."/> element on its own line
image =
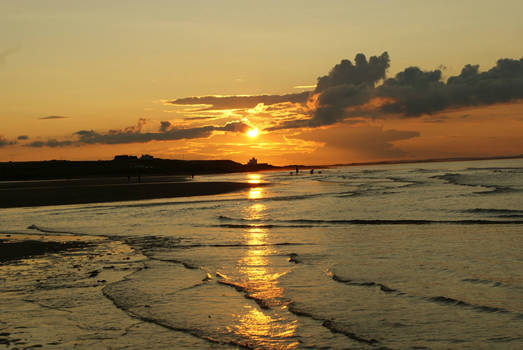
<point x="7" y="52"/>
<point x="137" y="134"/>
<point x="240" y="101"/>
<point x="49" y="117"/>
<point x="304" y="87"/>
<point x="5" y="142"/>
<point x="202" y="117"/>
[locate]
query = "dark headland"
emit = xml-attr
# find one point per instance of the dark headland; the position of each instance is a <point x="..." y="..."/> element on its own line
<point x="126" y="178"/>
<point x="121" y="166"/>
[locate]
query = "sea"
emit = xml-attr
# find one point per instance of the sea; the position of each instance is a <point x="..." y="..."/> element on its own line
<point x="403" y="256"/>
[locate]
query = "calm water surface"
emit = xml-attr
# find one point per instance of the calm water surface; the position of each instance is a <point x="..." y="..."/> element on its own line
<point x="416" y="256"/>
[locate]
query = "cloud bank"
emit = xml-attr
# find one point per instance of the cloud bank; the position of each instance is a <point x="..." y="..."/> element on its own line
<point x="362" y="89"/>
<point x="136" y="134"/>
<point x="350" y="90"/>
<point x="416" y="92"/>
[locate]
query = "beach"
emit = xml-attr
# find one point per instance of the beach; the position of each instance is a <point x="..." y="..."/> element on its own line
<point x="55" y="300"/>
<point x="101" y="190"/>
<point x="407" y="256"/>
<point x="285" y="175"/>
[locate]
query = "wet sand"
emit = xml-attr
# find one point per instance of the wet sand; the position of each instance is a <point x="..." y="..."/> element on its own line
<point x="56" y="300"/>
<point x="28" y="248"/>
<point x="61" y="192"/>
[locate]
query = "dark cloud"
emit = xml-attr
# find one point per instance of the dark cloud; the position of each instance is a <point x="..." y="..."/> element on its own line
<point x="165" y="125"/>
<point x="362" y="72"/>
<point x="347" y="85"/>
<point x="199" y="118"/>
<point x="416" y="92"/>
<point x="23" y="137"/>
<point x="53" y="117"/>
<point x="236" y="102"/>
<point x="6" y="142"/>
<point x="50" y="143"/>
<point x="234" y="127"/>
<point x="135" y="134"/>
<point x="119" y="137"/>
<point x="333" y="101"/>
<point x="349" y="90"/>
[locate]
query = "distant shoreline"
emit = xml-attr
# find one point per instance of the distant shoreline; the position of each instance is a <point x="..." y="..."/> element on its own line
<point x="430" y="160"/>
<point x="161" y="168"/>
<point x="400" y="161"/>
<point x="34" y="194"/>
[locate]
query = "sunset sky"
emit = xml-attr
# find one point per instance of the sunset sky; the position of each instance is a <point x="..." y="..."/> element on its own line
<point x="86" y="80"/>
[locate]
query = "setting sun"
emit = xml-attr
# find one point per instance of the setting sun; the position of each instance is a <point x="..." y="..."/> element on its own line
<point x="253" y="132"/>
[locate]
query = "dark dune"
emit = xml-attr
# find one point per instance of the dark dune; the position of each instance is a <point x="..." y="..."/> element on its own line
<point x="35" y="193"/>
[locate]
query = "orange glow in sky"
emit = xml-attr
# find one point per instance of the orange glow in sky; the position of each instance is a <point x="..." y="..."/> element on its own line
<point x="71" y="94"/>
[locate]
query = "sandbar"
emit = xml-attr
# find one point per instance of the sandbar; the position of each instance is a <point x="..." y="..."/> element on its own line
<point x="44" y="193"/>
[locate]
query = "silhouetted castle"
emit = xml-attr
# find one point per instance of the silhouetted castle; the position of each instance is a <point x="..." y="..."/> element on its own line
<point x="125" y="157"/>
<point x="128" y="157"/>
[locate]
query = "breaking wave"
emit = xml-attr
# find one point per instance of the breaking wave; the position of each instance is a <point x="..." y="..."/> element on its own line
<point x="457" y="179"/>
<point x="435" y="299"/>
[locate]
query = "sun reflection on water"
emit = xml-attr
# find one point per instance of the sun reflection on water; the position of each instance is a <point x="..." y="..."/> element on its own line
<point x="263" y="328"/>
<point x="261" y="280"/>
<point x="266" y="331"/>
<point x="255" y="211"/>
<point x="254" y="178"/>
<point x="255" y="193"/>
